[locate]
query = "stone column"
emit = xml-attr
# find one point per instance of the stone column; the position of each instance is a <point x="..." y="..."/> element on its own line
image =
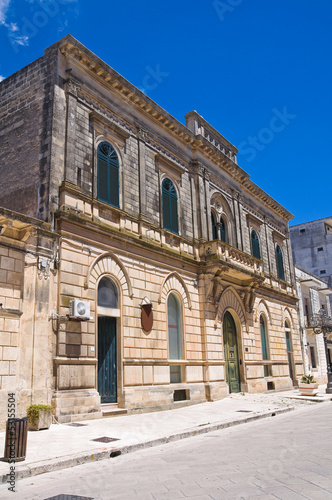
<point x="207" y="205"/>
<point x="70" y="172"/>
<point x="142" y="172"/>
<point x="200" y="201"/>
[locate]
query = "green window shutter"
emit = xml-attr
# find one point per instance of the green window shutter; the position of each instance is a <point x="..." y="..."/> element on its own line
<point x="263" y="339"/>
<point x="174" y="333"/>
<point x="222" y="230"/>
<point x="174" y="215"/>
<point x="280" y="264"/>
<point x="169" y="206"/>
<point x="166" y="211"/>
<point x="214" y="227"/>
<point x="107" y="174"/>
<point x="102" y="179"/>
<point x="255" y="250"/>
<point x="114" y="185"/>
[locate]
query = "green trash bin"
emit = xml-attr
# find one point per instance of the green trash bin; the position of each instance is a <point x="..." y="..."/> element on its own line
<point x="16" y="439"/>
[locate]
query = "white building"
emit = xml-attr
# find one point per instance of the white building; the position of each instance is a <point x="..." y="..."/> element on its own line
<point x="313" y="295"/>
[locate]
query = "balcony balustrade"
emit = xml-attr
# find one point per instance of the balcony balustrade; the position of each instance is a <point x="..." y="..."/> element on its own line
<point x="225" y="253"/>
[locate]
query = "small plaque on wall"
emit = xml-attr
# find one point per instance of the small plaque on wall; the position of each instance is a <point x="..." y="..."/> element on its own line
<point x="147" y="317"/>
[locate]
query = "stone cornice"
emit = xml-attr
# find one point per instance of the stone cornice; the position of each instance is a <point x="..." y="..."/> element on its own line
<point x="73" y="50"/>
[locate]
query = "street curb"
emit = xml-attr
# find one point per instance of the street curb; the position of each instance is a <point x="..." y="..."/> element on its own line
<point x="54" y="464"/>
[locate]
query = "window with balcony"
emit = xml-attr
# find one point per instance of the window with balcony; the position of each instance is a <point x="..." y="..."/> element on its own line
<point x="214" y="226"/>
<point x="222" y="229"/>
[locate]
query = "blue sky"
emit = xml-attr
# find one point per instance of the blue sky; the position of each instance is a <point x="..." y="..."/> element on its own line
<point x="260" y="71"/>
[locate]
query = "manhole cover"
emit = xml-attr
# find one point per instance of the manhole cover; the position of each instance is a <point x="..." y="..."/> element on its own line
<point x="105" y="439"/>
<point x="244" y="411"/>
<point x="68" y="497"/>
<point x="76" y="424"/>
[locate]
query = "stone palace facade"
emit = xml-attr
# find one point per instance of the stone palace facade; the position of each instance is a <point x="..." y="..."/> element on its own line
<point x="148" y="229"/>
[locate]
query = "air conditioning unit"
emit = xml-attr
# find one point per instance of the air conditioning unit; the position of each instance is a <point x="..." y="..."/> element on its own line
<point x="80" y="309"/>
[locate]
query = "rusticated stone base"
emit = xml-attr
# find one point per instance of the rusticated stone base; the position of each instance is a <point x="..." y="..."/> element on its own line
<point x="269" y="383"/>
<point x="162" y="395"/>
<point x="80" y="404"/>
<point x="216" y="390"/>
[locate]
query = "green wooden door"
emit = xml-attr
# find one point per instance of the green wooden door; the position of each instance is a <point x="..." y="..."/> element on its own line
<point x="231" y="354"/>
<point x="107" y="366"/>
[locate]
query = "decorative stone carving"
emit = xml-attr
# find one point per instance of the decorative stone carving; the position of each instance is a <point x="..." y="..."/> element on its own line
<point x="73" y="86"/>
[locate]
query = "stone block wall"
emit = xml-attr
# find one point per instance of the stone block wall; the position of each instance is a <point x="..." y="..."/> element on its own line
<point x="26" y="116"/>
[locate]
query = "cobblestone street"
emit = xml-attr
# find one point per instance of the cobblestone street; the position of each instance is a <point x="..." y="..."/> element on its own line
<point x="285" y="457"/>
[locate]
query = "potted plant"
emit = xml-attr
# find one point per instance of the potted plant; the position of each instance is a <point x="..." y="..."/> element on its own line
<point x="40" y="417"/>
<point x="308" y="386"/>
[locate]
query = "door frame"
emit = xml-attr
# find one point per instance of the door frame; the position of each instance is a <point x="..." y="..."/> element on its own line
<point x="239" y="347"/>
<point x="114" y="313"/>
<point x="115" y="372"/>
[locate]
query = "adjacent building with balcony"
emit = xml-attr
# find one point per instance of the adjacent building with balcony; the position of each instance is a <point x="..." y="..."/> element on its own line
<point x="314" y="295"/>
<point x="184" y="262"/>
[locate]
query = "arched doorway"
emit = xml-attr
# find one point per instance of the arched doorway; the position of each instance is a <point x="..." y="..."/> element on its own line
<point x="108" y="311"/>
<point x="231" y="354"/>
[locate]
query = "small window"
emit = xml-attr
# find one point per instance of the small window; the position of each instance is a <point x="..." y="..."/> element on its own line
<point x="170" y="206"/>
<point x="313" y="357"/>
<point x="107" y="294"/>
<point x="306" y="307"/>
<point x="255" y="250"/>
<point x="107" y="174"/>
<point x="280" y="263"/>
<point x="319" y="249"/>
<point x="302" y="231"/>
<point x="322" y="271"/>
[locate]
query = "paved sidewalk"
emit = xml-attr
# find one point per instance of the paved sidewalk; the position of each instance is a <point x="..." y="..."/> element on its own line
<point x="65" y="445"/>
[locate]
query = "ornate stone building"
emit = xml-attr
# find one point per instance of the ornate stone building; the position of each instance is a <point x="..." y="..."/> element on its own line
<point x="184" y="262"/>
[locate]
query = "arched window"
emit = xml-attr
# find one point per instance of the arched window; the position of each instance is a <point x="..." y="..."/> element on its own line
<point x="174" y="336"/>
<point x="170" y="206"/>
<point x="107" y="294"/>
<point x="214" y="227"/>
<point x="265" y="354"/>
<point x="280" y="263"/>
<point x="223" y="235"/>
<point x="255" y="250"/>
<point x="107" y="174"/>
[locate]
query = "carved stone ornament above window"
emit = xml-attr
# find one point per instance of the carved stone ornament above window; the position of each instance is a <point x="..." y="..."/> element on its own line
<point x="166" y="165"/>
<point x="103" y="125"/>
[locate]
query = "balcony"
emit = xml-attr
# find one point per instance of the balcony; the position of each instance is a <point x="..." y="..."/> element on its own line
<point x="241" y="265"/>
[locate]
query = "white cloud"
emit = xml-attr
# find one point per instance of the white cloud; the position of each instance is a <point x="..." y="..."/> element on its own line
<point x="11" y="27"/>
<point x="21" y="33"/>
<point x="4" y="5"/>
<point x="1" y="78"/>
